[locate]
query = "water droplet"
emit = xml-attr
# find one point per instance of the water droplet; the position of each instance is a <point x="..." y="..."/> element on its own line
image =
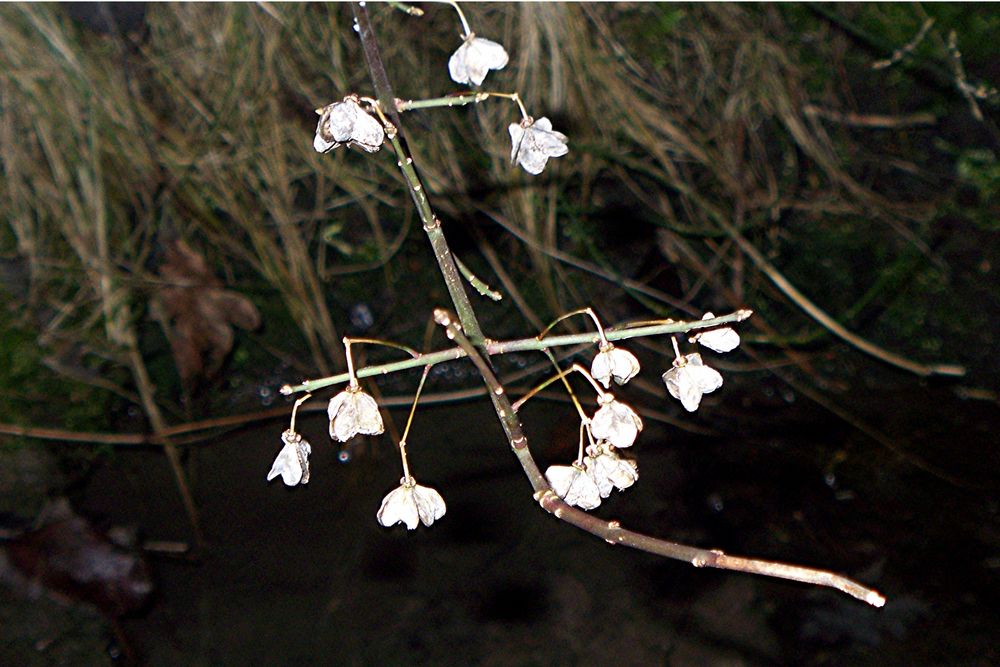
<point x="361" y="317"/>
<point x="716" y="503"/>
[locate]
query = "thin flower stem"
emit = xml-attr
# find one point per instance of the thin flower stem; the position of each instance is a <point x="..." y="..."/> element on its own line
<point x="560" y="375"/>
<point x="569" y="390"/>
<point x="612" y="531"/>
<point x="677" y="350"/>
<point x="416" y="397"/>
<point x="295" y="410"/>
<point x="590" y="378"/>
<point x="467" y="31"/>
<point x="352" y="378"/>
<point x="580" y="311"/>
<point x="407" y="480"/>
<point x="519" y="345"/>
<point x="579" y="453"/>
<point x="385" y="343"/>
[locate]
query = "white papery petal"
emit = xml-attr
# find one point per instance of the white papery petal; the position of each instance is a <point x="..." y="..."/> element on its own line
<point x="604" y="484"/>
<point x="430" y="504"/>
<point x="618" y="472"/>
<point x="287" y="465"/>
<point x="689" y="381"/>
<point x="477" y="56"/>
<point x="410" y="505"/>
<point x="616" y="363"/>
<point x="322" y="145"/>
<point x="398" y="507"/>
<point x="346" y="122"/>
<point x="616" y="422"/>
<point x="720" y="340"/>
<point x="292" y="462"/>
<point x="574" y="486"/>
<point x="367" y="133"/>
<point x="534" y="142"/>
<point x="351" y="412"/>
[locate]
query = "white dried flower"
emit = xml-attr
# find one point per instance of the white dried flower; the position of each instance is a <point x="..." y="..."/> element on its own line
<point x="411" y="504"/>
<point x="608" y="470"/>
<point x="292" y="462"/>
<point x="574" y="485"/>
<point x="615" y="422"/>
<point x="534" y="142"/>
<point x="352" y="411"/>
<point x="477" y="56"/>
<point x="689" y="379"/>
<point x="347" y="123"/>
<point x="614" y="362"/>
<point x="722" y="339"/>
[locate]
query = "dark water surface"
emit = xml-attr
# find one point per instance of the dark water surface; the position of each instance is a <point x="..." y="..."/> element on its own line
<point x="306" y="575"/>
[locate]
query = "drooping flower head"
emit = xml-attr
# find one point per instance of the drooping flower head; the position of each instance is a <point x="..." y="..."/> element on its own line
<point x="615" y="422"/>
<point x="477" y="56"/>
<point x="292" y="462"/>
<point x="689" y="379"/>
<point x="347" y="123"/>
<point x="351" y="412"/>
<point x="723" y="339"/>
<point x="411" y="504"/>
<point x="614" y="362"/>
<point x="534" y="142"/>
<point x="574" y="485"/>
<point x="608" y="470"/>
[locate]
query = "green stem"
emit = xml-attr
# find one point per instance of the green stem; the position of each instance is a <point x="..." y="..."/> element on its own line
<point x="520" y="345"/>
<point x="455" y="100"/>
<point x="476" y="282"/>
<point x="431" y="224"/>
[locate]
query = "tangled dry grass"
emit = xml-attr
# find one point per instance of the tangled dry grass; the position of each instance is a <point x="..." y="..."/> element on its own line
<point x="691" y="128"/>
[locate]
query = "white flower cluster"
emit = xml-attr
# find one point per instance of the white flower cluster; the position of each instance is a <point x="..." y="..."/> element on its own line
<point x="533" y="142"/>
<point x="615" y="425"/>
<point x="585" y="484"/>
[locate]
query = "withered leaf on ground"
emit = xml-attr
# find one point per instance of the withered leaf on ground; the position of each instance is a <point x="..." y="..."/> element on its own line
<point x="198" y="313"/>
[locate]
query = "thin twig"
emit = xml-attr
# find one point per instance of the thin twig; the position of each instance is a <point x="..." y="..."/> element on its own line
<point x="621" y="332"/>
<point x="611" y="531"/>
<point x="906" y="49"/>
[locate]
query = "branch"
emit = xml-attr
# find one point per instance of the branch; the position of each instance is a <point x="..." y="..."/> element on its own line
<point x="621" y="332"/>
<point x="432" y="225"/>
<point x="611" y="531"/>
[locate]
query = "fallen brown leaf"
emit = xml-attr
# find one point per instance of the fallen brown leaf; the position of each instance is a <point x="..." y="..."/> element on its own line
<point x="198" y="313"/>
